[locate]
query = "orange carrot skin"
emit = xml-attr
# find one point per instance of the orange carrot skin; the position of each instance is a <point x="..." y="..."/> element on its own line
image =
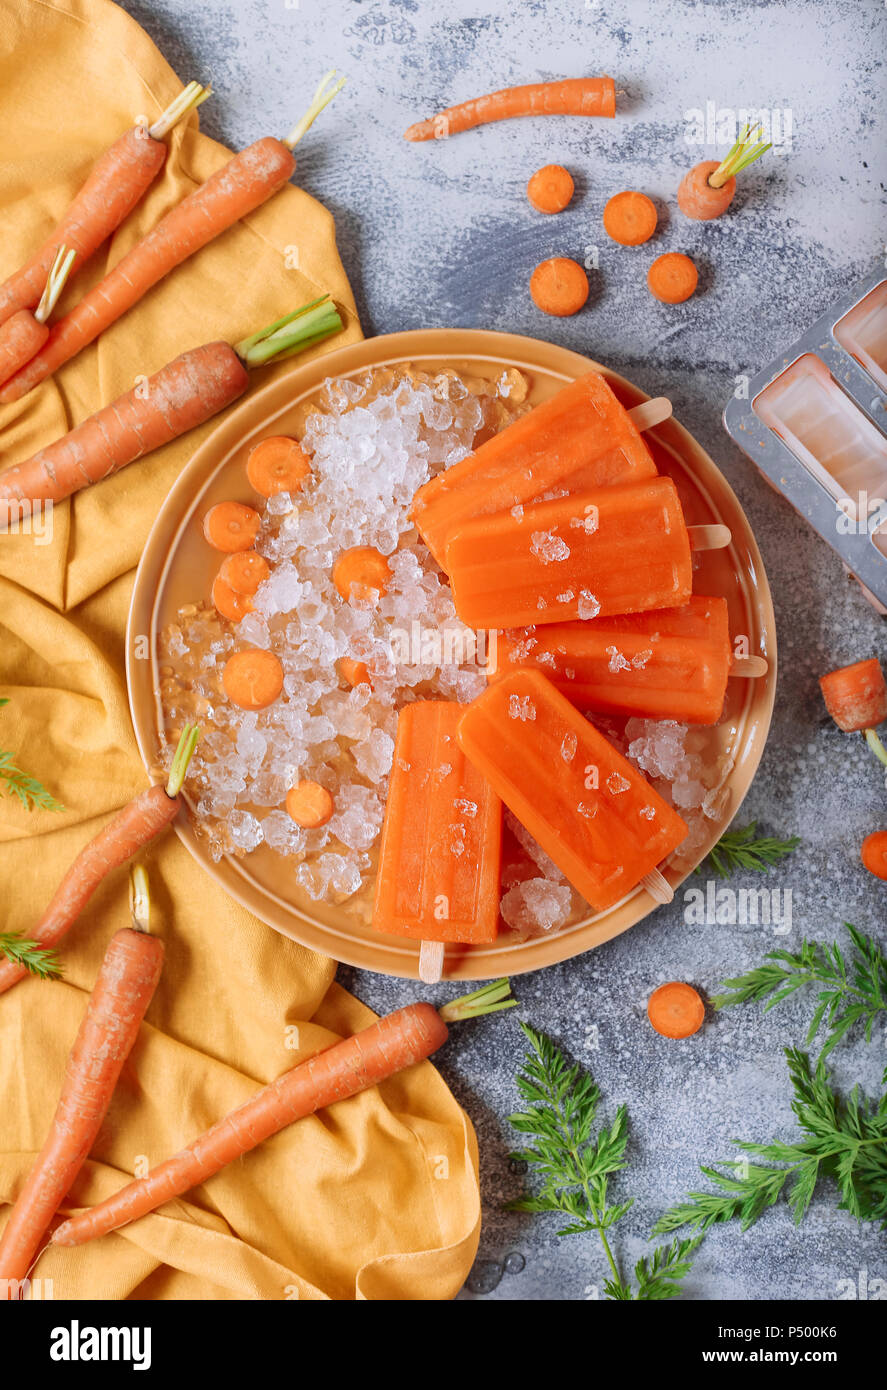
<point x="21" y="337"/>
<point x="183" y="394"/>
<point x="697" y="198"/>
<point x="132" y="828"/>
<point x="239" y="187"/>
<point x="575" y="96"/>
<point x="387" y="1047"/>
<point x="122" y="993"/>
<point x="118" y="179"/>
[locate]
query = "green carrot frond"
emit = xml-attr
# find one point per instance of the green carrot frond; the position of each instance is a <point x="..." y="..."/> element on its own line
<point x="31" y="793"/>
<point x="747" y="148"/>
<point x="39" y="960"/>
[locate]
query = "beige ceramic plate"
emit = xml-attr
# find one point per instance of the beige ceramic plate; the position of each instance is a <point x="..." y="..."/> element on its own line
<point x="177" y="567"/>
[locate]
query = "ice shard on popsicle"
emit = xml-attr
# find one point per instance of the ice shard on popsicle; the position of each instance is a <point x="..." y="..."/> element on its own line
<point x="669" y="663"/>
<point x="579" y="439"/>
<point x="622" y="549"/>
<point x="593" y="813"/>
<point x="438" y="877"/>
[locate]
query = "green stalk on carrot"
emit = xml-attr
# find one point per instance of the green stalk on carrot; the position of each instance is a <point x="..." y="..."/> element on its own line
<point x="119" y="178"/>
<point x="140" y="822"/>
<point x="182" y="395"/>
<point x="355" y="1064"/>
<point x="707" y="190"/>
<point x="856" y="698"/>
<point x="125" y="986"/>
<point x="247" y="181"/>
<point x="24" y="333"/>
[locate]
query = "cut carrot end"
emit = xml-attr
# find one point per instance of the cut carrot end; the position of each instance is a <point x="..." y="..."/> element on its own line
<point x="139" y="898"/>
<point x="489" y="999"/>
<point x="278" y="464"/>
<point x="309" y="804"/>
<point x="321" y="99"/>
<point x="181" y="759"/>
<point x="874" y="853"/>
<point x="676" y="1010"/>
<point x="189" y="99"/>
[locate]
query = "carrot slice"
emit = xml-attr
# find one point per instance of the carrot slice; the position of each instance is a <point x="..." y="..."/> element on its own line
<point x="364" y="566"/>
<point x="278" y="464"/>
<point x="874" y="853"/>
<point x="244" y="571"/>
<point x="856" y="696"/>
<point x="252" y="679"/>
<point x="630" y="218"/>
<point x="227" y="601"/>
<point x="559" y="287"/>
<point x="550" y="188"/>
<point x="231" y="526"/>
<point x="676" y="1010"/>
<point x="672" y="278"/>
<point x="354" y="672"/>
<point x="309" y="804"/>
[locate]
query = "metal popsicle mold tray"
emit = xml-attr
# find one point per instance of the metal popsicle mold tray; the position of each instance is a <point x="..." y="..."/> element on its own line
<point x="832" y="380"/>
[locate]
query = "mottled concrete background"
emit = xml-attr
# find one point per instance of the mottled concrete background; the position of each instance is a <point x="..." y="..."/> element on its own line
<point x="442" y="234"/>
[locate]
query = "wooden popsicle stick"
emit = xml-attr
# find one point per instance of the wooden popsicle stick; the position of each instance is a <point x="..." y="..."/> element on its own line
<point x="658" y="886"/>
<point x="749" y="666"/>
<point x="712" y="537"/>
<point x="650" y="413"/>
<point x="431" y="962"/>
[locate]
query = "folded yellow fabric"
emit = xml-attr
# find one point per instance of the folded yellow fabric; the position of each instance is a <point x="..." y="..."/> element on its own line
<point x="377" y="1197"/>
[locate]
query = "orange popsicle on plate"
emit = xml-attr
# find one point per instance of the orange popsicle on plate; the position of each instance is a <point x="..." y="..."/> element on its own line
<point x="593" y="813"/>
<point x="579" y="439"/>
<point x="438" y="877"/>
<point x="669" y="663"/>
<point x="622" y="549"/>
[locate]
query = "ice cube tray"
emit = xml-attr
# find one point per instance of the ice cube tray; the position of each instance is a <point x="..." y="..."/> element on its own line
<point x="814" y="421"/>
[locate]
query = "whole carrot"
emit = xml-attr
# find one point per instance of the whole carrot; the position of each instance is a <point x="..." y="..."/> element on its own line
<point x="131" y="829"/>
<point x="249" y="179"/>
<point x="23" y="335"/>
<point x="574" y="96"/>
<point x="182" y="395"/>
<point x="118" y="179"/>
<point x="389" y="1046"/>
<point x="125" y="986"/>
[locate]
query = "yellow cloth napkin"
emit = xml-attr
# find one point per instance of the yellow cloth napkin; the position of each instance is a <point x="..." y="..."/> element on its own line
<point x="377" y="1197"/>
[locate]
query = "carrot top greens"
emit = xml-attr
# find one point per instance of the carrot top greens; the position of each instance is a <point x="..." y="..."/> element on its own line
<point x="748" y="147"/>
<point x="31" y="793"/>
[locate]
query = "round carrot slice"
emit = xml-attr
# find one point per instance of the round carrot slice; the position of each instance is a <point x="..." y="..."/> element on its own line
<point x="672" y="278"/>
<point x="874" y="853"/>
<point x="354" y="672"/>
<point x="559" y="287"/>
<point x="309" y="805"/>
<point x="231" y="526"/>
<point x="244" y="571"/>
<point x="278" y="464"/>
<point x="362" y="565"/>
<point x="630" y="218"/>
<point x="676" y="1010"/>
<point x="227" y="601"/>
<point x="252" y="679"/>
<point x="551" y="188"/>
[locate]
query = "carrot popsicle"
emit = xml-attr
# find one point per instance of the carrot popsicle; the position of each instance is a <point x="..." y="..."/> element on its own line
<point x="580" y="439"/>
<point x="622" y="549"/>
<point x="670" y="663"/>
<point x="593" y="813"/>
<point x="438" y="877"/>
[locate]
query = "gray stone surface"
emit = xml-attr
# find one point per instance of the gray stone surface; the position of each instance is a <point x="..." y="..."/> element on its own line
<point x="442" y="235"/>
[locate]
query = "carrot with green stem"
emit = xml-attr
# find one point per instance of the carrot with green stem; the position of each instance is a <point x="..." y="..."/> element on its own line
<point x="125" y="987"/>
<point x="386" y="1047"/>
<point x="573" y="96"/>
<point x="119" y="178"/>
<point x="247" y="181"/>
<point x="707" y="190"/>
<point x="181" y="396"/>
<point x="140" y="822"/>
<point x="24" y="333"/>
